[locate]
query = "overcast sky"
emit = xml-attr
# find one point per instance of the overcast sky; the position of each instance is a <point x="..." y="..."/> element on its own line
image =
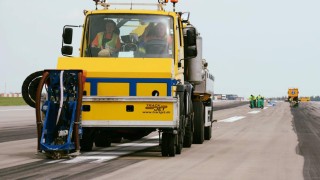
<point x="252" y="46"/>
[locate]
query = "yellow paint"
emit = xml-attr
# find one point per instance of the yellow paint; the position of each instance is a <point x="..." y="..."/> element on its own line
<point x="293" y="92"/>
<point x="305" y="99"/>
<point x="120" y="67"/>
<point x="129" y="11"/>
<point x="113" y="89"/>
<point x="146" y="89"/>
<point x="143" y="111"/>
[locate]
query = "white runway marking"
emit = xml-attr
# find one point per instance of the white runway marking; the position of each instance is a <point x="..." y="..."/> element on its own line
<point x="6" y="110"/>
<point x="107" y="154"/>
<point x="253" y="112"/>
<point x="233" y="119"/>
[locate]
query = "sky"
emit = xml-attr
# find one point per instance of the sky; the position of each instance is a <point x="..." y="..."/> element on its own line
<point x="251" y="46"/>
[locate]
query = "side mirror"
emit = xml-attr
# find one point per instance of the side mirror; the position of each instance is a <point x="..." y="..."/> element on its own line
<point x="67" y="35"/>
<point x="190" y="42"/>
<point x="67" y="50"/>
<point x="190" y="52"/>
<point x="191" y="37"/>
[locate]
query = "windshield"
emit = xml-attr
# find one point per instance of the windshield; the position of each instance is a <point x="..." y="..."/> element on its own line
<point x="129" y="35"/>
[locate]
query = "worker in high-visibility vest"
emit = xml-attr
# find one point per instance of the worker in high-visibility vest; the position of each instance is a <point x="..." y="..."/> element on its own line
<point x="258" y="101"/>
<point x="259" y="96"/>
<point x="252" y="101"/>
<point x="108" y="41"/>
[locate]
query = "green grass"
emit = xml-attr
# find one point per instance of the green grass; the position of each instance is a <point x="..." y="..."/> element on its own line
<point x="12" y="101"/>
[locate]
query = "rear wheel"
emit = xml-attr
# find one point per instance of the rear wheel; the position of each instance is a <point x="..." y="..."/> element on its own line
<point x="86" y="142"/>
<point x="168" y="146"/>
<point x="198" y="135"/>
<point x="101" y="139"/>
<point x="179" y="144"/>
<point x="116" y="139"/>
<point x="188" y="137"/>
<point x="164" y="144"/>
<point x="171" y="145"/>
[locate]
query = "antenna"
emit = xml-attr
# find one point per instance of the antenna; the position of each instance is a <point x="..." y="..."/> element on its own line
<point x="96" y="3"/>
<point x="174" y="7"/>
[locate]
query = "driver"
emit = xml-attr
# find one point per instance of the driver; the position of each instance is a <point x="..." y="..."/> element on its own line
<point x="108" y="41"/>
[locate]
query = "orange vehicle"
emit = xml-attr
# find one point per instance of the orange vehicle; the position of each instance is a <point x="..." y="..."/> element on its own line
<point x="293" y="98"/>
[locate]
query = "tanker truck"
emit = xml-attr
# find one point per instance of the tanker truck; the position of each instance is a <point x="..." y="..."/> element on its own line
<point x="127" y="91"/>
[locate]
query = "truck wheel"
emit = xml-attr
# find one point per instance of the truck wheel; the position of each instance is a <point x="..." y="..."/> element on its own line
<point x="164" y="144"/>
<point x="188" y="137"/>
<point x="101" y="139"/>
<point x="179" y="143"/>
<point x="168" y="146"/>
<point x="171" y="145"/>
<point x="207" y="132"/>
<point x="116" y="139"/>
<point x="198" y="135"/>
<point x="86" y="142"/>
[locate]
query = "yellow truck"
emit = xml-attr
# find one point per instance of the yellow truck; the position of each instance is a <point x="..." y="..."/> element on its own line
<point x="304" y="99"/>
<point x="293" y="97"/>
<point x="112" y="94"/>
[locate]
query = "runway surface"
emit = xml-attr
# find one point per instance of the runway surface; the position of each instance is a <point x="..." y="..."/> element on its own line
<point x="276" y="142"/>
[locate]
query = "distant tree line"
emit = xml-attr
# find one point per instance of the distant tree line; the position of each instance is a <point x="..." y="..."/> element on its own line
<point x="315" y="98"/>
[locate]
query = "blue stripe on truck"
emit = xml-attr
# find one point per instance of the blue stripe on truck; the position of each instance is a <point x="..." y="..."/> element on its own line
<point x="132" y="83"/>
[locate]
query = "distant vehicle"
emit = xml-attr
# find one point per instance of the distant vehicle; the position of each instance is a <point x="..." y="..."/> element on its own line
<point x="223" y="97"/>
<point x="231" y="96"/>
<point x="293" y="94"/>
<point x="304" y="99"/>
<point x="272" y="103"/>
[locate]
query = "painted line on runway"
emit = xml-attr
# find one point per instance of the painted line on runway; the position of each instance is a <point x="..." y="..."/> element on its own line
<point x="110" y="153"/>
<point x="253" y="112"/>
<point x="232" y="119"/>
<point x="6" y="110"/>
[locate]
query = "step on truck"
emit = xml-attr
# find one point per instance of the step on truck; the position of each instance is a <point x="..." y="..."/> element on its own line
<point x="148" y="83"/>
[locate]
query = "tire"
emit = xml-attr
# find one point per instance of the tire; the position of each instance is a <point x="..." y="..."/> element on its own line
<point x="116" y="139"/>
<point x="171" y="145"/>
<point x="86" y="142"/>
<point x="188" y="137"/>
<point x="198" y="135"/>
<point x="168" y="146"/>
<point x="180" y="136"/>
<point x="207" y="132"/>
<point x="179" y="144"/>
<point x="29" y="88"/>
<point x="164" y="144"/>
<point x="101" y="139"/>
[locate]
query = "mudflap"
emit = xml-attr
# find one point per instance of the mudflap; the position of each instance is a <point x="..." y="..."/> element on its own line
<point x="58" y="107"/>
